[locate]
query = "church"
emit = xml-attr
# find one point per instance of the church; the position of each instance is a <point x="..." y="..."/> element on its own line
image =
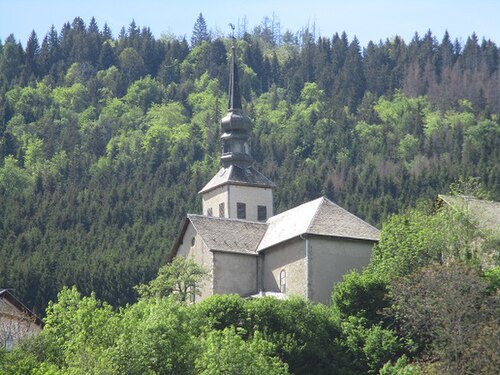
<point x="250" y="251"/>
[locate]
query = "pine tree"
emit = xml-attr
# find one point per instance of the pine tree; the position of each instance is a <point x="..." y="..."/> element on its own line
<point x="106" y="32"/>
<point x="32" y="55"/>
<point x="200" y="32"/>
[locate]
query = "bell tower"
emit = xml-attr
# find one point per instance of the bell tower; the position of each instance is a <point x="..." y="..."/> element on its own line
<point x="238" y="190"/>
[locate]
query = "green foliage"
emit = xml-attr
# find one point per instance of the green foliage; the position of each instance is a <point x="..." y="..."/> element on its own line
<point x="400" y="367"/>
<point x="145" y="92"/>
<point x="155" y="338"/>
<point x="416" y="239"/>
<point x="492" y="275"/>
<point x="225" y="352"/>
<point x="360" y="295"/>
<point x="367" y="347"/>
<point x="220" y="312"/>
<point x="105" y="142"/>
<point x="13" y="179"/>
<point x="181" y="279"/>
<point x="84" y="330"/>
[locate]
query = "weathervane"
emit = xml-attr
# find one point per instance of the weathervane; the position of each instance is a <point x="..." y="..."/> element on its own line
<point x="232" y="33"/>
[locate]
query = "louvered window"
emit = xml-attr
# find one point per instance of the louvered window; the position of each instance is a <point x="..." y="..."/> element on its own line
<point x="241" y="210"/>
<point x="261" y="213"/>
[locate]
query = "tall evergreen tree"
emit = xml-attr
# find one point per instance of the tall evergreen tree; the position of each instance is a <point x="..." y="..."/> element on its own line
<point x="31" y="56"/>
<point x="200" y="31"/>
<point x="106" y="32"/>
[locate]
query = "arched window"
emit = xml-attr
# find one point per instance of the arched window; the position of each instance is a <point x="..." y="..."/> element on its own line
<point x="283" y="281"/>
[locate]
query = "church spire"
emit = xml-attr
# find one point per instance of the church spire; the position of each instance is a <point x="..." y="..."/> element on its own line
<point x="234" y="85"/>
<point x="236" y="126"/>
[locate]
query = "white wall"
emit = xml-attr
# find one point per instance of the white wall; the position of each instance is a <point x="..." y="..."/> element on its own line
<point x="289" y="256"/>
<point x="230" y="195"/>
<point x="252" y="196"/>
<point x="331" y="258"/>
<point x="201" y="255"/>
<point x="235" y="273"/>
<point x="213" y="198"/>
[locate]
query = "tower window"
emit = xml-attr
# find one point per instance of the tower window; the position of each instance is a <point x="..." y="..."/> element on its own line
<point x="261" y="213"/>
<point x="241" y="209"/>
<point x="210" y="212"/>
<point x="221" y="209"/>
<point x="283" y="281"/>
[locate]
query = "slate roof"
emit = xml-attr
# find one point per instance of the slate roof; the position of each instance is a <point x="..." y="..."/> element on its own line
<point x="485" y="213"/>
<point x="231" y="235"/>
<point x="318" y="217"/>
<point x="238" y="176"/>
<point x="4" y="293"/>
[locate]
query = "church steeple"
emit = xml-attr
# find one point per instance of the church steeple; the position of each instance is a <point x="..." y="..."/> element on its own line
<point x="238" y="190"/>
<point x="236" y="126"/>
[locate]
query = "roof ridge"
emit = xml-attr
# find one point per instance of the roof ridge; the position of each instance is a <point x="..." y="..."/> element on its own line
<point x="227" y="219"/>
<point x="292" y="209"/>
<point x="354" y="216"/>
<point x="322" y="198"/>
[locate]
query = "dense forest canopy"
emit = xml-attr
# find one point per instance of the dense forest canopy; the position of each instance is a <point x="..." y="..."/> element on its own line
<point x="105" y="140"/>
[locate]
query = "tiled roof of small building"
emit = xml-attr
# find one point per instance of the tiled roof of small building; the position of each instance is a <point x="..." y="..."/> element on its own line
<point x="318" y="217"/>
<point x="238" y="176"/>
<point x="485" y="213"/>
<point x="5" y="293"/>
<point x="231" y="235"/>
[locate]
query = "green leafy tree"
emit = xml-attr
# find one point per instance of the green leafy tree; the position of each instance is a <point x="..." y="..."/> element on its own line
<point x="360" y="295"/>
<point x="181" y="279"/>
<point x="131" y="64"/>
<point x="418" y="238"/>
<point x="13" y="179"/>
<point x="155" y="338"/>
<point x="225" y="352"/>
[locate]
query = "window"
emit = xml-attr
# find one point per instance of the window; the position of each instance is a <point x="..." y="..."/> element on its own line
<point x="210" y="212"/>
<point x="241" y="210"/>
<point x="193" y="241"/>
<point x="261" y="213"/>
<point x="283" y="281"/>
<point x="9" y="341"/>
<point x="221" y="209"/>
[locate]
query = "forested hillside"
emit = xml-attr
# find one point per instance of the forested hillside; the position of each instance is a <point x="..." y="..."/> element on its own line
<point x="105" y="140"/>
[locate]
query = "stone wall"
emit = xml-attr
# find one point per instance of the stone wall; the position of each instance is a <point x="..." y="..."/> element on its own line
<point x="235" y="273"/>
<point x="15" y="325"/>
<point x="290" y="257"/>
<point x="330" y="259"/>
<point x="193" y="247"/>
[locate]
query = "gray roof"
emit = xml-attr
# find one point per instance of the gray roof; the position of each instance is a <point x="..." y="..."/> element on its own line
<point x="485" y="213"/>
<point x="318" y="217"/>
<point x="5" y="293"/>
<point x="238" y="176"/>
<point x="231" y="235"/>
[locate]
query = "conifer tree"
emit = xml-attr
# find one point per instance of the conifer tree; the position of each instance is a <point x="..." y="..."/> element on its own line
<point x="200" y="31"/>
<point x="32" y="54"/>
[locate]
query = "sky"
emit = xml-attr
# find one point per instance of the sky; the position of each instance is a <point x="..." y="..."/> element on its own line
<point x="367" y="20"/>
